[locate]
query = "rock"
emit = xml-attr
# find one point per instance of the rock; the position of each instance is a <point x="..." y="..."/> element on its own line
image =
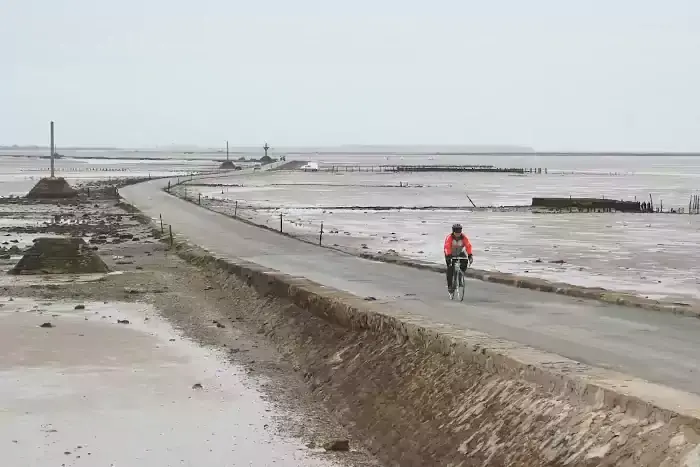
<point x="79" y="307"/>
<point x="122" y="321"/>
<point x="538" y="260"/>
<point x="558" y="261"/>
<point x="364" y="246"/>
<point x="197" y="386"/>
<point x="370" y="299"/>
<point x="46" y="325"/>
<point x="337" y="445"/>
<point x="218" y="324"/>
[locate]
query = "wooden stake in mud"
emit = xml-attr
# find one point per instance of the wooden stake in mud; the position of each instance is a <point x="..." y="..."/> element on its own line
<point x="162" y="230"/>
<point x="168" y="186"/>
<point x="280" y="222"/>
<point x="470" y="200"/>
<point x="170" y="228"/>
<point x="235" y="210"/>
<point x="320" y="236"/>
<point x="199" y="198"/>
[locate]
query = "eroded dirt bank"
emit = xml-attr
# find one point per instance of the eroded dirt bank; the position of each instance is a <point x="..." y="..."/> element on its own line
<point x="424" y="395"/>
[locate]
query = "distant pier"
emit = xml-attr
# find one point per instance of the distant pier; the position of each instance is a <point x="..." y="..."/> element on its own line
<point x="431" y="168"/>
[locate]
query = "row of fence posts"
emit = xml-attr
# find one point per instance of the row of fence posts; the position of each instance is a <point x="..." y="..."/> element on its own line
<point x="235" y="215"/>
<point x="170" y="230"/>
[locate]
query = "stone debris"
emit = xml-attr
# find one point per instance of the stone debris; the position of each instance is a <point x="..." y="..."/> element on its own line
<point x="79" y="307"/>
<point x="337" y="445"/>
<point x="122" y="321"/>
<point x="46" y="325"/>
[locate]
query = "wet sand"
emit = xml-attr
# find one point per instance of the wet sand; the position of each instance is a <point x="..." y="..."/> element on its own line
<point x="118" y="381"/>
<point x="93" y="392"/>
<point x="651" y="255"/>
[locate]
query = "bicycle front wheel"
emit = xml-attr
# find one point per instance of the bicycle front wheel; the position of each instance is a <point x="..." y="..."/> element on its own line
<point x="461" y="287"/>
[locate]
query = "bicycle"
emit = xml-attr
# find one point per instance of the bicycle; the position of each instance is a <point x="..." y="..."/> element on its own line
<point x="458" y="279"/>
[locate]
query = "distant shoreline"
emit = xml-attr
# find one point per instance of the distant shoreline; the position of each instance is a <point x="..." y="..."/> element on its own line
<point x="148" y="154"/>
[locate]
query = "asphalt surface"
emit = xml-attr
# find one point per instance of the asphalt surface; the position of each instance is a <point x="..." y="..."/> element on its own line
<point x="655" y="346"/>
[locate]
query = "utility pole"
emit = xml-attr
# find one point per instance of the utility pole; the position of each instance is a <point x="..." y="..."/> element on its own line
<point x="266" y="147"/>
<point x="53" y="152"/>
<point x="226" y="149"/>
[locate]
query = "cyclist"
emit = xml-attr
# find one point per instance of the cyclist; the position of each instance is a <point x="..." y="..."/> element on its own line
<point x="456" y="245"/>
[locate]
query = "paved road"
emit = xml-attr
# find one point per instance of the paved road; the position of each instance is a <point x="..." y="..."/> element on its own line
<point x="659" y="347"/>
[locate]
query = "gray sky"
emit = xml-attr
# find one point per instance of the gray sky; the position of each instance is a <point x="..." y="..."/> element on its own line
<point x="552" y="74"/>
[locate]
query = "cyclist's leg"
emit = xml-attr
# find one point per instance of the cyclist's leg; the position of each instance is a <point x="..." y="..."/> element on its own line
<point x="450" y="271"/>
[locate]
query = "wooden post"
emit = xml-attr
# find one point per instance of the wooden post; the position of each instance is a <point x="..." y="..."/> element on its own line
<point x="199" y="199"/>
<point x="320" y="236"/>
<point x="168" y="186"/>
<point x="170" y="228"/>
<point x="53" y="152"/>
<point x="162" y="230"/>
<point x="651" y="203"/>
<point x="235" y="210"/>
<point x="280" y="222"/>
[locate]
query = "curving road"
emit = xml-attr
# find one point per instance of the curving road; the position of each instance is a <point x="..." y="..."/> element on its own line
<point x="656" y="346"/>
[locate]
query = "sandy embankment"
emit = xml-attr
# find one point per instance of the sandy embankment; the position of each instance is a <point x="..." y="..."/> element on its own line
<point x="107" y="368"/>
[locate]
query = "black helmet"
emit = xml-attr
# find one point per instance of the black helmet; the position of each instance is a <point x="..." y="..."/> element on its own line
<point x="457" y="228"/>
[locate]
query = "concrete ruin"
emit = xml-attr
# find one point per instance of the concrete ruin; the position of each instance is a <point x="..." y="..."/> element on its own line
<point x="60" y="255"/>
<point x="52" y="188"/>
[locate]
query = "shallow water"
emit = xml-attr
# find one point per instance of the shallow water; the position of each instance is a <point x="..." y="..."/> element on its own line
<point x="655" y="255"/>
<point x="19" y="174"/>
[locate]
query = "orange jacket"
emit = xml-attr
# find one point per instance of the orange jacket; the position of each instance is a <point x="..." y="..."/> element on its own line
<point x="448" y="245"/>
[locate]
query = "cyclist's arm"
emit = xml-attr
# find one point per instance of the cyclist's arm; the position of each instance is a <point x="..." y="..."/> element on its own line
<point x="467" y="245"/>
<point x="447" y="247"/>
